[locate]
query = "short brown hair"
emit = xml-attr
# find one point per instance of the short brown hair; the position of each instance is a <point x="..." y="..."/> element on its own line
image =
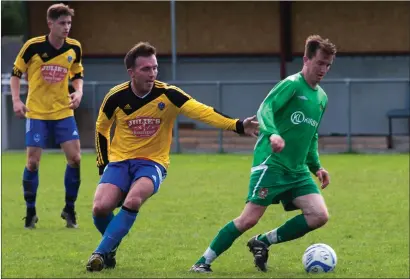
<point x="57" y="10"/>
<point x="141" y="49"/>
<point x="315" y="42"/>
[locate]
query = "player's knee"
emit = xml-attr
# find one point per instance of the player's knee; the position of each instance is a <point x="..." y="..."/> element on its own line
<point x="74" y="160"/>
<point x="318" y="218"/>
<point x="33" y="163"/>
<point x="99" y="210"/>
<point x="323" y="217"/>
<point x="133" y="202"/>
<point x="244" y="223"/>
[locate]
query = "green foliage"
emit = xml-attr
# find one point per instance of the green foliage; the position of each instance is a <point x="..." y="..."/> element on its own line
<point x="13" y="20"/>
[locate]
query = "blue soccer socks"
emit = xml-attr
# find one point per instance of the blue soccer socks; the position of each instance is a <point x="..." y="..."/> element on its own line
<point x="101" y="223"/>
<point x="72" y="184"/>
<point x="117" y="229"/>
<point x="30" y="186"/>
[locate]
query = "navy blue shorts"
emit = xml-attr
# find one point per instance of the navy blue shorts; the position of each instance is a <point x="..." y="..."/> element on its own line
<point x="38" y="131"/>
<point x="122" y="174"/>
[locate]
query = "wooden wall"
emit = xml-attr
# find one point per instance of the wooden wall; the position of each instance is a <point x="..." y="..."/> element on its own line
<point x="222" y="28"/>
<point x="354" y="26"/>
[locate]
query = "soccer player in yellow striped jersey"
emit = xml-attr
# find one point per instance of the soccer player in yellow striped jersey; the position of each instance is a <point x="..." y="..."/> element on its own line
<point x="50" y="61"/>
<point x="135" y="164"/>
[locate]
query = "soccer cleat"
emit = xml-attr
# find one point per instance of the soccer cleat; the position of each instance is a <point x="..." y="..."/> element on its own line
<point x="95" y="262"/>
<point x="70" y="217"/>
<point x="30" y="221"/>
<point x="110" y="261"/>
<point x="201" y="268"/>
<point x="260" y="253"/>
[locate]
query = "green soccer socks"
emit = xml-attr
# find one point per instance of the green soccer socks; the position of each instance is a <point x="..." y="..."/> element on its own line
<point x="220" y="243"/>
<point x="292" y="229"/>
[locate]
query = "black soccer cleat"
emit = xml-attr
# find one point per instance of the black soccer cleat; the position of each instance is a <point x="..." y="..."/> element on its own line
<point x="30" y="221"/>
<point x="201" y="268"/>
<point x="70" y="217"/>
<point x="95" y="262"/>
<point x="260" y="253"/>
<point x="110" y="261"/>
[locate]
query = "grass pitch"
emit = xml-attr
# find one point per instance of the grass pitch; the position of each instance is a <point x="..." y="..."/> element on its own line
<point x="368" y="201"/>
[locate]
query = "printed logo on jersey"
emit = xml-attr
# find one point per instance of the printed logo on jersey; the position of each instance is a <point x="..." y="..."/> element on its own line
<point x="69" y="58"/>
<point x="298" y="117"/>
<point x="144" y="127"/>
<point x="263" y="193"/>
<point x="161" y="105"/>
<point x="53" y="73"/>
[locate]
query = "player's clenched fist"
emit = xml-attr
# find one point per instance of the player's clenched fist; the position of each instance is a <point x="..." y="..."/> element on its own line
<point x="19" y="109"/>
<point x="75" y="99"/>
<point x="277" y="143"/>
<point x="323" y="177"/>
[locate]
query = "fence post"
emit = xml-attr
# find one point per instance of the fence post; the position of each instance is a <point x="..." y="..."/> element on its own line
<point x="176" y="135"/>
<point x="94" y="102"/>
<point x="349" y="115"/>
<point x="219" y="100"/>
<point x="4" y="124"/>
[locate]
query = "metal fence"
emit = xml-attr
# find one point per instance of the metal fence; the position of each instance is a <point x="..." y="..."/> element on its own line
<point x="94" y="92"/>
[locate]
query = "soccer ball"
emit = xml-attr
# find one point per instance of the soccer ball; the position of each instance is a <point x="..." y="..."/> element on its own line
<point x="319" y="258"/>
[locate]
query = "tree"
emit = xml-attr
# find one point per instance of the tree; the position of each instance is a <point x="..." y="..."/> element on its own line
<point x="13" y="21"/>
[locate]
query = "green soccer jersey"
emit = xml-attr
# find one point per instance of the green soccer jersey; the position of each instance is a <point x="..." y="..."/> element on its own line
<point x="292" y="110"/>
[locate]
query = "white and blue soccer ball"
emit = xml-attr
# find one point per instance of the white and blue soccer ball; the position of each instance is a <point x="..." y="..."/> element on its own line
<point x="319" y="258"/>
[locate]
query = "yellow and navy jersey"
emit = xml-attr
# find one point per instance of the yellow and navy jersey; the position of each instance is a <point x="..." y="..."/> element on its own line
<point x="143" y="126"/>
<point x="48" y="70"/>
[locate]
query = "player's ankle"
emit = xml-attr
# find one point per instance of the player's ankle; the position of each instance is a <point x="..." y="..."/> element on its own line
<point x="31" y="210"/>
<point x="69" y="208"/>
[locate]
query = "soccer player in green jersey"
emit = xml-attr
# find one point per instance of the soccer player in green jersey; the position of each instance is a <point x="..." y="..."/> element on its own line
<point x="284" y="155"/>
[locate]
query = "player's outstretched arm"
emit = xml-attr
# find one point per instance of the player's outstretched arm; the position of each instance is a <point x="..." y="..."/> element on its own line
<point x="199" y="111"/>
<point x="191" y="108"/>
<point x="103" y="125"/>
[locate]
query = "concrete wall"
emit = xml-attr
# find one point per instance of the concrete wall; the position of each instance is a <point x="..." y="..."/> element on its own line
<point x="369" y="101"/>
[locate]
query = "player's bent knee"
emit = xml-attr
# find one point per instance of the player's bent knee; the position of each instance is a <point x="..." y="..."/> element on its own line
<point x="133" y="202"/>
<point x="317" y="219"/>
<point x="322" y="218"/>
<point x="141" y="190"/>
<point x="244" y="223"/>
<point x="101" y="210"/>
<point x="249" y="217"/>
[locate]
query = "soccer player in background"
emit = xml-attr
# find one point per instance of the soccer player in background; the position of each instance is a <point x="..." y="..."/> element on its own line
<point x="135" y="164"/>
<point x="50" y="61"/>
<point x="285" y="153"/>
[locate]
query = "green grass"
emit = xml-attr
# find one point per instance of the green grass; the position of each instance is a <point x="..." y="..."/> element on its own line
<point x="368" y="201"/>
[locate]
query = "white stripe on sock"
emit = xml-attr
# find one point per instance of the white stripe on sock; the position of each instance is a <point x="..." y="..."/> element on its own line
<point x="209" y="256"/>
<point x="272" y="236"/>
